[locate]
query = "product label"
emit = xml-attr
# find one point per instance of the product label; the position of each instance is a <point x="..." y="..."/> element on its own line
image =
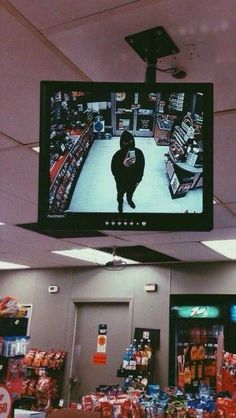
<point x="102" y="338"/>
<point x="101" y="343"/>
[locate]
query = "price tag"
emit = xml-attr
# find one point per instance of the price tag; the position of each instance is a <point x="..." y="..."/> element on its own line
<point x="5" y="402"/>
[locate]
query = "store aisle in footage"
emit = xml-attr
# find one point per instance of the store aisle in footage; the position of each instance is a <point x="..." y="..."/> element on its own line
<point x="96" y="190"/>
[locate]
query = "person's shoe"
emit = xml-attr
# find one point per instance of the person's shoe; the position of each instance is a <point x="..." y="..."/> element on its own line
<point x="132" y="204"/>
<point x="120" y="208"/>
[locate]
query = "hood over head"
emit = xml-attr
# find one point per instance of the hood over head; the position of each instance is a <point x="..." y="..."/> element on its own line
<point x="127" y="140"/>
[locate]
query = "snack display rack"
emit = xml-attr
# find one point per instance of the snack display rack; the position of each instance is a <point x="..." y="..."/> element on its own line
<point x="138" y="361"/>
<point x="65" y="170"/>
<point x="13" y="345"/>
<point x="43" y="381"/>
<point x="226" y="376"/>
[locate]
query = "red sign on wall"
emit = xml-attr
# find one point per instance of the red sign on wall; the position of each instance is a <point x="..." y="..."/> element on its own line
<point x="98" y="358"/>
<point x="5" y="402"/>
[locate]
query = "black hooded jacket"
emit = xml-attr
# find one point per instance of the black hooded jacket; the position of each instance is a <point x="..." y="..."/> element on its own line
<point x="125" y="176"/>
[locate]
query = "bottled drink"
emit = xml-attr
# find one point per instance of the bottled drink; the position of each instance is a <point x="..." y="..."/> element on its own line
<point x="141" y="343"/>
<point x="187" y="376"/>
<point x="145" y="358"/>
<point x="134" y="345"/>
<point x="193" y="371"/>
<point x="198" y="335"/>
<point x="126" y="357"/>
<point x="138" y="356"/>
<point x="193" y="353"/>
<point x="132" y="361"/>
<point x="200" y="370"/>
<point x="201" y="352"/>
<point x="149" y="349"/>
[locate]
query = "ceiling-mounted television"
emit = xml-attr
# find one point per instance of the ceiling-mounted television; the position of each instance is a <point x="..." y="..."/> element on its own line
<point x="125" y="156"/>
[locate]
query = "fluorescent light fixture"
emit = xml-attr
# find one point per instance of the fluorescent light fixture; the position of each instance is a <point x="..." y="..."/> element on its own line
<point x="12" y="266"/>
<point x="94" y="256"/>
<point x="226" y="247"/>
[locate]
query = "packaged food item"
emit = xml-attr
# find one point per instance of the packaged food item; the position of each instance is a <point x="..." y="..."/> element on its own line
<point x="9" y="346"/>
<point x="48" y="360"/>
<point x="87" y="403"/>
<point x="29" y="357"/>
<point x="1" y="345"/>
<point x="31" y="388"/>
<point x="10" y="307"/>
<point x="39" y="358"/>
<point x="59" y="359"/>
<point x="106" y="408"/>
<point x="117" y="412"/>
<point x="7" y="302"/>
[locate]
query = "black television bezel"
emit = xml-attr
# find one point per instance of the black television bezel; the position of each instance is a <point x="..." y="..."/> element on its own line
<point x="126" y="221"/>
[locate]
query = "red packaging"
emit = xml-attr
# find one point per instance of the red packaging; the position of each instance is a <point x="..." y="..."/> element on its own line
<point x="87" y="403"/>
<point x="106" y="409"/>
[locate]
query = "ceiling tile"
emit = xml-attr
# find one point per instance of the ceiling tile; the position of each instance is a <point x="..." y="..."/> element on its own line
<point x="224" y="156"/>
<point x="224" y="216"/>
<point x="98" y="242"/>
<point x="142" y="254"/>
<point x="189" y="252"/>
<point x="6" y="142"/>
<point x="22" y="76"/>
<point x="28" y="255"/>
<point x="14" y="209"/>
<point x="32" y="239"/>
<point x="19" y="173"/>
<point x="232" y="206"/>
<point x="44" y="14"/>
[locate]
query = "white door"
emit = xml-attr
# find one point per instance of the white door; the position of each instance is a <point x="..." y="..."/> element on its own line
<point x="115" y="317"/>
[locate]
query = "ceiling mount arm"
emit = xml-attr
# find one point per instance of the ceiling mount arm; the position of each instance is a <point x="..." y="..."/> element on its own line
<point x="150" y="45"/>
<point x="151" y="68"/>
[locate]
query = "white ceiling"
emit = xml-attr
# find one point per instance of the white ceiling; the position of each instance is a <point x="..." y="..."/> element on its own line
<point x="84" y="40"/>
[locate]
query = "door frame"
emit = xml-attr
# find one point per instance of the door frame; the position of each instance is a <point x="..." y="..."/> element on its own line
<point x="76" y="302"/>
<point x="131" y="116"/>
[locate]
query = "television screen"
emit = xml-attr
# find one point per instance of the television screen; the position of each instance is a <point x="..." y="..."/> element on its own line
<point x="125" y="156"/>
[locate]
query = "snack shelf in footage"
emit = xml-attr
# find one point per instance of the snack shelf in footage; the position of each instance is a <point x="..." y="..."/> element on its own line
<point x="62" y="182"/>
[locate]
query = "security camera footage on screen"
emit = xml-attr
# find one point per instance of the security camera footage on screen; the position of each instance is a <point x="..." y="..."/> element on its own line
<point x="126" y="152"/>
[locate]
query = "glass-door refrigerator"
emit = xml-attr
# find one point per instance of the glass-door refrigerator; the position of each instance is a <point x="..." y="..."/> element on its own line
<point x="196" y="322"/>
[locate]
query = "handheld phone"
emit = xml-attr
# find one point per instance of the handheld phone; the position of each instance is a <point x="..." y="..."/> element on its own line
<point x="132" y="154"/>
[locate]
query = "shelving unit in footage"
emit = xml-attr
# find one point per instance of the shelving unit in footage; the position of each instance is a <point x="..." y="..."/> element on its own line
<point x="134" y="112"/>
<point x="184" y="158"/>
<point x="65" y="170"/>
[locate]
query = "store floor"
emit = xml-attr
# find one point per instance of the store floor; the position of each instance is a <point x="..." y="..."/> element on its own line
<point x="95" y="190"/>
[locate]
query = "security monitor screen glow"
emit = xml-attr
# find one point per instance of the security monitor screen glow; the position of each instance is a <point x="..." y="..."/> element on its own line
<point x="125" y="156"/>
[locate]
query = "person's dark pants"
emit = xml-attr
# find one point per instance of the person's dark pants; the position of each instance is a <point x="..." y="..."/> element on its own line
<point x="129" y="190"/>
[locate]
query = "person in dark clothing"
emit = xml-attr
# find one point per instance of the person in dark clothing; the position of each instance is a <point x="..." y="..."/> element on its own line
<point x="127" y="167"/>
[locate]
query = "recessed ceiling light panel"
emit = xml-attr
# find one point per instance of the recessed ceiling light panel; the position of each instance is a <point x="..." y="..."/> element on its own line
<point x="12" y="266"/>
<point x="225" y="247"/>
<point x="91" y="255"/>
